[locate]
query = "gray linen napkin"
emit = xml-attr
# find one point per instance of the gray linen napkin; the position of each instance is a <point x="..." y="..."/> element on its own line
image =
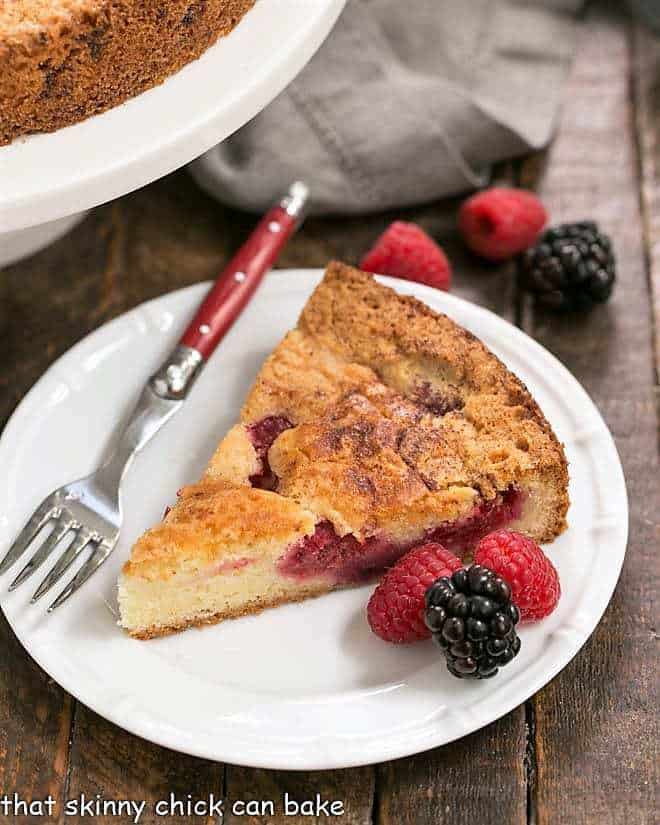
<point x="404" y="103"/>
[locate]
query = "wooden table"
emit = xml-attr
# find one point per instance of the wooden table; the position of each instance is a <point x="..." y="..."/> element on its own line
<point x="584" y="749"/>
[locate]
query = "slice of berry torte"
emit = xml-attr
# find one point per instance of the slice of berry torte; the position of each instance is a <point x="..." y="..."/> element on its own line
<point x="376" y="424"/>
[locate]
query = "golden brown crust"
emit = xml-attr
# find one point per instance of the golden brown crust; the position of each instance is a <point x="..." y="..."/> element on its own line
<point x="399" y="409"/>
<point x="407" y="343"/>
<point x="301" y="380"/>
<point x="60" y="66"/>
<point x="214" y="522"/>
<point x="354" y="467"/>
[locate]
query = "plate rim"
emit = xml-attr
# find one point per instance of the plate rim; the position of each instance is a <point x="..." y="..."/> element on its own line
<point x="427" y="737"/>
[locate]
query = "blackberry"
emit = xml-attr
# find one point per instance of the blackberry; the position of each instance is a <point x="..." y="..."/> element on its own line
<point x="572" y="267"/>
<point x="473" y="622"/>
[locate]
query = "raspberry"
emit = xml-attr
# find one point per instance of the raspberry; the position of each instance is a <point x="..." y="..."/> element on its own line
<point x="500" y="223"/>
<point x="404" y="250"/>
<point x="529" y="572"/>
<point x="396" y="607"/>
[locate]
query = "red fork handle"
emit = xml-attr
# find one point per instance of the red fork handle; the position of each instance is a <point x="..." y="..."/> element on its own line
<point x="243" y="274"/>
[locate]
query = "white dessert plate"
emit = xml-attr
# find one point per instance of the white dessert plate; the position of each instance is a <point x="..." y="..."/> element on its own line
<point x="49" y="176"/>
<point x="303" y="686"/>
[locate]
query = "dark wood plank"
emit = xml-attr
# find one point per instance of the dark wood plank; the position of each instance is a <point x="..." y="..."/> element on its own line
<point x="479" y="779"/>
<point x="595" y="724"/>
<point x="48" y="299"/>
<point x="646" y="86"/>
<point x="109" y="762"/>
<point x="35" y="722"/>
<point x="350" y="791"/>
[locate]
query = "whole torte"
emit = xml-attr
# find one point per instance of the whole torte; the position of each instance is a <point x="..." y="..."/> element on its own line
<point x="63" y="60"/>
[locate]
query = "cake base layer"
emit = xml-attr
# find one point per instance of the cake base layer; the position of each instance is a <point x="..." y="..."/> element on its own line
<point x="135" y="596"/>
<point x="61" y="69"/>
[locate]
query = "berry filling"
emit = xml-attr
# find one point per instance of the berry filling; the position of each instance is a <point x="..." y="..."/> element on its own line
<point x="461" y="536"/>
<point x="262" y="434"/>
<point x="343" y="558"/>
<point x="348" y="561"/>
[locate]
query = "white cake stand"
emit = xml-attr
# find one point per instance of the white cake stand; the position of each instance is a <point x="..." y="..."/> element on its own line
<point x="46" y="180"/>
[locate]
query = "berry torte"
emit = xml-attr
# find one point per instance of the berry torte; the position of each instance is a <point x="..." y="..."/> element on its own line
<point x="63" y="60"/>
<point x="376" y="424"/>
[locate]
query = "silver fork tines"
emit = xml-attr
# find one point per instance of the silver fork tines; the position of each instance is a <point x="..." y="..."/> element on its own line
<point x="60" y="529"/>
<point x="86" y="512"/>
<point x="99" y="555"/>
<point x="44" y="512"/>
<point x="80" y="541"/>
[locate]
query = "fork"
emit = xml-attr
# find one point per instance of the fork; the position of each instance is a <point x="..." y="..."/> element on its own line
<point x="87" y="511"/>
